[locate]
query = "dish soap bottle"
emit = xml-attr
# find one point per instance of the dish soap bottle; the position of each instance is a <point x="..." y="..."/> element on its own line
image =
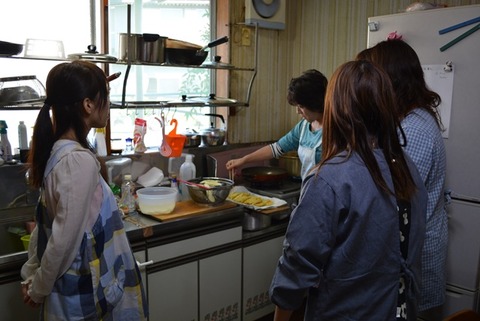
<point x="5" y="147"/>
<point x="187" y="172"/>
<point x="127" y="202"/>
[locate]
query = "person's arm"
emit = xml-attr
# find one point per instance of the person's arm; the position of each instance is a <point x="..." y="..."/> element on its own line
<point x="264" y="153"/>
<point x="75" y="181"/>
<point x="282" y="314"/>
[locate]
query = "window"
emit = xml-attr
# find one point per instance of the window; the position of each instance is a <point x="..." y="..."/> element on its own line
<point x="68" y="27"/>
<point x="71" y="22"/>
<point x="177" y="19"/>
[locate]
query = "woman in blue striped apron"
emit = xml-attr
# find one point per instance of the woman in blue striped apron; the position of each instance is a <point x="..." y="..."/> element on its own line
<point x="80" y="264"/>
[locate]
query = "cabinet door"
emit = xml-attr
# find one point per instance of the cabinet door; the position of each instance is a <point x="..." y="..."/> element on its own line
<point x="12" y="306"/>
<point x="220" y="286"/>
<point x="463" y="245"/>
<point x="142" y="265"/>
<point x="173" y="293"/>
<point x="259" y="263"/>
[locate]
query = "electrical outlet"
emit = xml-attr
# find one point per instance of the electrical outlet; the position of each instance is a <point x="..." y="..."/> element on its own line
<point x="246" y="37"/>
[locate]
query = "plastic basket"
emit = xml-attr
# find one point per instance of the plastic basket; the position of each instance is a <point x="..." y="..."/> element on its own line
<point x="26" y="241"/>
<point x="176" y="143"/>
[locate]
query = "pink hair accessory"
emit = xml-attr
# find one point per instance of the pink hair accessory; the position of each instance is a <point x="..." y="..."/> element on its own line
<point x="394" y="36"/>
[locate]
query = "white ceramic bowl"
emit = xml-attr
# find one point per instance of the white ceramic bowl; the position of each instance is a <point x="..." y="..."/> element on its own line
<point x="156" y="200"/>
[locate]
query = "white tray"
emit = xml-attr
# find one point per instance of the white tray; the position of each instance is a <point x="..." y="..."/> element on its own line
<point x="242" y="189"/>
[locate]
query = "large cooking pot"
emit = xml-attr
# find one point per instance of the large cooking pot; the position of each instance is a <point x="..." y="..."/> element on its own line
<point x="264" y="175"/>
<point x="145" y="47"/>
<point x="214" y="136"/>
<point x="189" y="55"/>
<point x="291" y="163"/>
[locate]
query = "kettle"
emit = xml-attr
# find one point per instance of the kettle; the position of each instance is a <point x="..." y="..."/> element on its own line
<point x="214" y="136"/>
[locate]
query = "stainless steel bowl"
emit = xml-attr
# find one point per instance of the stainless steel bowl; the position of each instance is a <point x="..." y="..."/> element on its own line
<point x="213" y="196"/>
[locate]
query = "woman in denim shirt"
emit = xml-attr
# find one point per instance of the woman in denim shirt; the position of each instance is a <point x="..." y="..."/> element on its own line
<point x="353" y="245"/>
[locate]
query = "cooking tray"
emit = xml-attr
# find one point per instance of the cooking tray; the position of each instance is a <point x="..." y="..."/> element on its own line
<point x="276" y="202"/>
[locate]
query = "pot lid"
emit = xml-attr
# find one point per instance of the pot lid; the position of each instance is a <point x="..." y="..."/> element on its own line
<point x="92" y="55"/>
<point x="211" y="100"/>
<point x="218" y="63"/>
<point x="213" y="131"/>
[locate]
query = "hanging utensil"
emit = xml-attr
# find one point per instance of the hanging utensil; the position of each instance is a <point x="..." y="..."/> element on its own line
<point x="175" y="141"/>
<point x="165" y="149"/>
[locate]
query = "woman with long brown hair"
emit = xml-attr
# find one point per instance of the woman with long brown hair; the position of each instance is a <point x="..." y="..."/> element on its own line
<point x="417" y="109"/>
<point x="353" y="244"/>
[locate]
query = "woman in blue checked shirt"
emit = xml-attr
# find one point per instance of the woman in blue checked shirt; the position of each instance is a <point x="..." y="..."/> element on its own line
<point x="417" y="108"/>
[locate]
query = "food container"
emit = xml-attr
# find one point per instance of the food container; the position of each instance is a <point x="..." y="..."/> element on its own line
<point x="291" y="163"/>
<point x="156" y="200"/>
<point x="254" y="221"/>
<point x="213" y="196"/>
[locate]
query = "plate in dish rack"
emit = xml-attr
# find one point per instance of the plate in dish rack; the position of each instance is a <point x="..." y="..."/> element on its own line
<point x="248" y="199"/>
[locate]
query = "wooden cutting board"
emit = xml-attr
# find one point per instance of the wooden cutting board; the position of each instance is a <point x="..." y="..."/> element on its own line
<point x="275" y="209"/>
<point x="190" y="208"/>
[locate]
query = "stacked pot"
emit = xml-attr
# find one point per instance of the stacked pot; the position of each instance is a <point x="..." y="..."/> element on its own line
<point x="146" y="47"/>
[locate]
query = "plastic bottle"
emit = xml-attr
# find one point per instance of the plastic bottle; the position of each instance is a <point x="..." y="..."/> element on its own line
<point x="22" y="135"/>
<point x="5" y="147"/>
<point x="174" y="184"/>
<point x="187" y="172"/>
<point x="127" y="202"/>
<point x="100" y="142"/>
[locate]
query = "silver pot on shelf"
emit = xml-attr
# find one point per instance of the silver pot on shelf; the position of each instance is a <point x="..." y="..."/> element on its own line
<point x="194" y="139"/>
<point x="214" y="136"/>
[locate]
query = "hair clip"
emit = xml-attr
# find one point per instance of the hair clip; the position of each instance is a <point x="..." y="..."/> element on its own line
<point x="394" y="36"/>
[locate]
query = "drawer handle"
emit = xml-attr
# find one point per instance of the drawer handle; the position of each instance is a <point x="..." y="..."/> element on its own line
<point x="140" y="265"/>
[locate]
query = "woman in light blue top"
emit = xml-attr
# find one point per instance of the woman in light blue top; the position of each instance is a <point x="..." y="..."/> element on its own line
<point x="307" y="94"/>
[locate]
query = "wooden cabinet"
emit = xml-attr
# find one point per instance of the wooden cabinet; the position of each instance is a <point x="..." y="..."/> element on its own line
<point x="259" y="263"/>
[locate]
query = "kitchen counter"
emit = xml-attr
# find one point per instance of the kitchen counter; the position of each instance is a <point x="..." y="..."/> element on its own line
<point x="141" y="228"/>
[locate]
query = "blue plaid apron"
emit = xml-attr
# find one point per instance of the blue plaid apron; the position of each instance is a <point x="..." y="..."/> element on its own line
<point x="103" y="282"/>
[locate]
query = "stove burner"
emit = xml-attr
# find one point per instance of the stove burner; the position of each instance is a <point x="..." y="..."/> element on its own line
<point x="286" y="188"/>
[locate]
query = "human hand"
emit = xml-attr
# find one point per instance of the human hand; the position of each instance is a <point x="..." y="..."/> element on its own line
<point x="233" y="163"/>
<point x="26" y="298"/>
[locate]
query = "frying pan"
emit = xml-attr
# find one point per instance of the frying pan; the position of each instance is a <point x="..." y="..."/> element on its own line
<point x="264" y="174"/>
<point x="9" y="48"/>
<point x="189" y="55"/>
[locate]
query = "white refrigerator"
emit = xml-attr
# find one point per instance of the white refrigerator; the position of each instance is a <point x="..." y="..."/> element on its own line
<point x="447" y="41"/>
